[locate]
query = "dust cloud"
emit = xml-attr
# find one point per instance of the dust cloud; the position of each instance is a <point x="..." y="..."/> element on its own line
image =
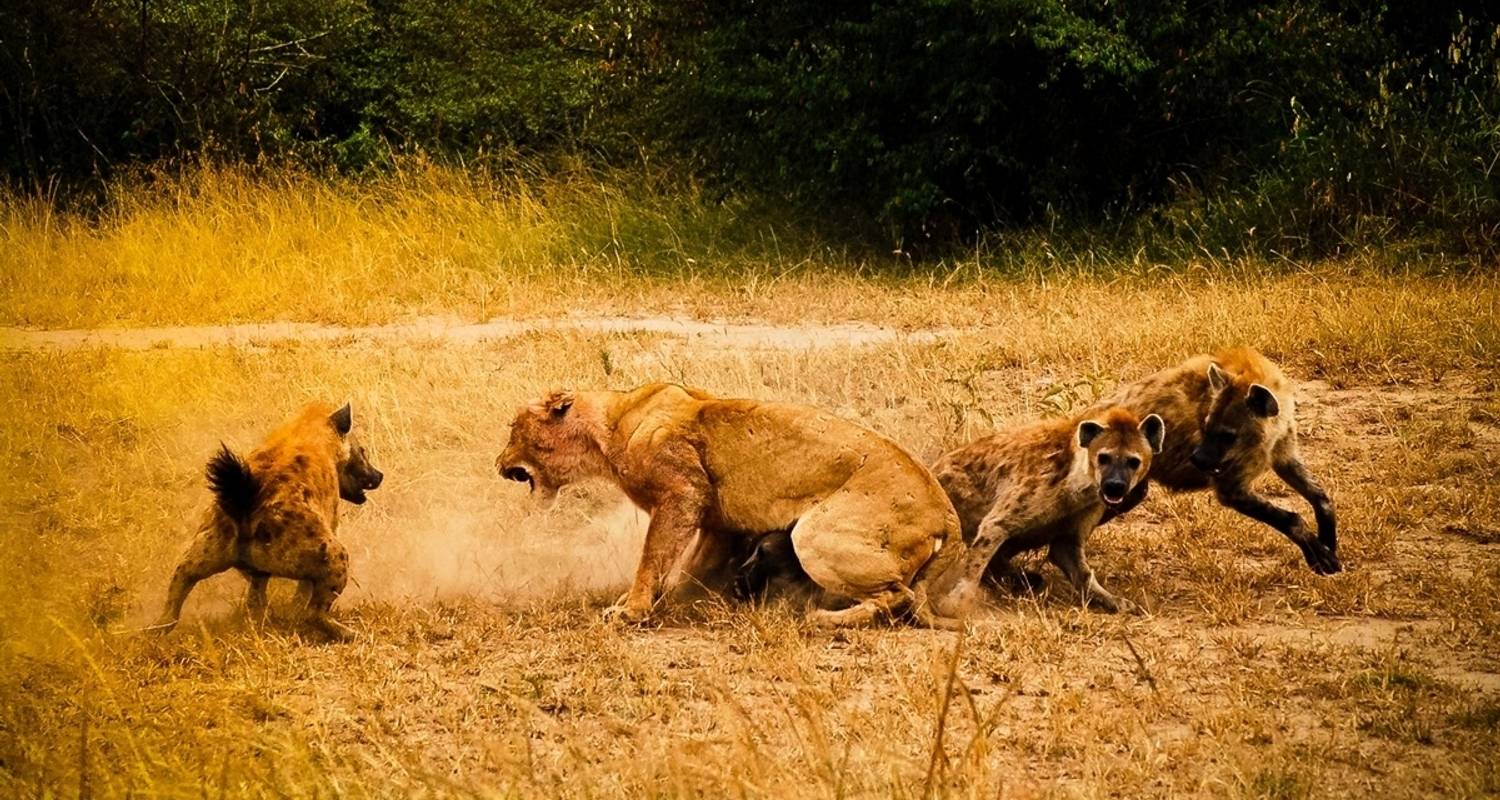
<point x="496" y="548"/>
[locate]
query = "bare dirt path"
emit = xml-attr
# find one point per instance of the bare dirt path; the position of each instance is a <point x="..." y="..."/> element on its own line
<point x="704" y="333"/>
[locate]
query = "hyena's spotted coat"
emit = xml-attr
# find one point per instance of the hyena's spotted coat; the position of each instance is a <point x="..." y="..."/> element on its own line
<point x="275" y="513"/>
<point x="1231" y="417"/>
<point x="1045" y="484"/>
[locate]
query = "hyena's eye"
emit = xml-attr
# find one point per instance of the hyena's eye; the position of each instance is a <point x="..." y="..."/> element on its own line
<point x="1104" y="459"/>
<point x="1132" y="463"/>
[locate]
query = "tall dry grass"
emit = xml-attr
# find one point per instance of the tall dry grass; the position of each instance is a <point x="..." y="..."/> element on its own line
<point x="484" y="669"/>
<point x="210" y="244"/>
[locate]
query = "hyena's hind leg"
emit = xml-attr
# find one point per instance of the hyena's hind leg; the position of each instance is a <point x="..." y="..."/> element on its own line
<point x="1006" y="574"/>
<point x="255" y="597"/>
<point x="1289" y="468"/>
<point x="210" y="553"/>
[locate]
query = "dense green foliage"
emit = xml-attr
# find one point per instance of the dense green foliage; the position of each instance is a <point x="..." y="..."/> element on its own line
<point x="1289" y="125"/>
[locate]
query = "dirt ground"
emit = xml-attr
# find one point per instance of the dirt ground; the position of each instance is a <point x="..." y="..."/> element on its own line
<point x="483" y="669"/>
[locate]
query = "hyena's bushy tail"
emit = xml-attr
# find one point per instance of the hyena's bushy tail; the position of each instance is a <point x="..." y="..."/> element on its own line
<point x="235" y="488"/>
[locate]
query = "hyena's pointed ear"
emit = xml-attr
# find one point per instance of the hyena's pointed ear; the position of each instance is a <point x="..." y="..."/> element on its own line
<point x="1262" y="401"/>
<point x="343" y="420"/>
<point x="1217" y="380"/>
<point x="1155" y="431"/>
<point x="1087" y="430"/>
<point x="558" y="404"/>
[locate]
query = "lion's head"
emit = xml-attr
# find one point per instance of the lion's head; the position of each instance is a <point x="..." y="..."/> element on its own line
<point x="551" y="445"/>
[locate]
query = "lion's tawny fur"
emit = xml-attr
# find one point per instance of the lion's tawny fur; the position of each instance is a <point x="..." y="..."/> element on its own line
<point x="867" y="520"/>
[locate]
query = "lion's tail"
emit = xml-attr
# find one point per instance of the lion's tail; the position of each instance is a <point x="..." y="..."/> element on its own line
<point x="235" y="488"/>
<point x="947" y="557"/>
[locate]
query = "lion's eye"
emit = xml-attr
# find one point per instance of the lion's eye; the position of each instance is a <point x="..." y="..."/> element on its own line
<point x="1104" y="459"/>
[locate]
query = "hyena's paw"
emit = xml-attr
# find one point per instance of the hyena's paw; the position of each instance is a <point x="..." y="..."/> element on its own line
<point x="1322" y="560"/>
<point x="333" y="629"/>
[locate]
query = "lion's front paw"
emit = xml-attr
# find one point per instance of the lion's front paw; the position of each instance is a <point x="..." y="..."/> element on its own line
<point x="624" y="613"/>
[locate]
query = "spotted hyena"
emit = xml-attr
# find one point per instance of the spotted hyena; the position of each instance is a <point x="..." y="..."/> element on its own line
<point x="275" y="514"/>
<point x="1045" y="484"/>
<point x="1231" y="417"/>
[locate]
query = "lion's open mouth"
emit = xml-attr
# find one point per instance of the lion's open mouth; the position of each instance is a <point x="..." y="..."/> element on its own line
<point x="519" y="475"/>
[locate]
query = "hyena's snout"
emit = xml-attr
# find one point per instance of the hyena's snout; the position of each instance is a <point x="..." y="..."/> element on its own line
<point x="1205" y="459"/>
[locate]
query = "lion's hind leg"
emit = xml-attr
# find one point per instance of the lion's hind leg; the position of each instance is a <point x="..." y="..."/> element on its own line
<point x="884" y="606"/>
<point x="849" y="555"/>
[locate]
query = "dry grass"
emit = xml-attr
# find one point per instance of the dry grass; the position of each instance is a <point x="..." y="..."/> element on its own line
<point x="211" y="245"/>
<point x="483" y="669"/>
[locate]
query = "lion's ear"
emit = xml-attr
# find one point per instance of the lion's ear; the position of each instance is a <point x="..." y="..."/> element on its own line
<point x="559" y="403"/>
<point x="342" y="420"/>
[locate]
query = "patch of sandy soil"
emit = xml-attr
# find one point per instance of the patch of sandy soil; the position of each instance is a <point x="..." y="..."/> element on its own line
<point x="711" y="334"/>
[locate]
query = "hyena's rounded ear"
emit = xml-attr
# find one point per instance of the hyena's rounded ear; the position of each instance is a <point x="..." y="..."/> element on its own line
<point x="1155" y="431"/>
<point x="559" y="403"/>
<point x="1262" y="401"/>
<point x="1087" y="430"/>
<point x="1217" y="380"/>
<point x="343" y="420"/>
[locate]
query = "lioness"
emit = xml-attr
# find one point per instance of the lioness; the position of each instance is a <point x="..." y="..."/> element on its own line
<point x="1043" y="484"/>
<point x="275" y="514"/>
<point x="867" y="521"/>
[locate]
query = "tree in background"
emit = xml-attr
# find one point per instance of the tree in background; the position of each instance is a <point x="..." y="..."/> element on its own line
<point x="1300" y="126"/>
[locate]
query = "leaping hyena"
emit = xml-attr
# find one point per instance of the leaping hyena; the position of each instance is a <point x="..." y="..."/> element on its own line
<point x="1230" y="417"/>
<point x="275" y="513"/>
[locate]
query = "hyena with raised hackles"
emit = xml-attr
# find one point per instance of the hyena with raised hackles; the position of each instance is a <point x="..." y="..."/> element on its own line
<point x="1231" y="417"/>
<point x="275" y="514"/>
<point x="1044" y="484"/>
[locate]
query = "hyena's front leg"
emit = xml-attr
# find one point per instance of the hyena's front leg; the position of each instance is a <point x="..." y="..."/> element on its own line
<point x="210" y="553"/>
<point x="1291" y="470"/>
<point x="1067" y="554"/>
<point x="327" y="585"/>
<point x="1003" y="528"/>
<point x="1243" y="499"/>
